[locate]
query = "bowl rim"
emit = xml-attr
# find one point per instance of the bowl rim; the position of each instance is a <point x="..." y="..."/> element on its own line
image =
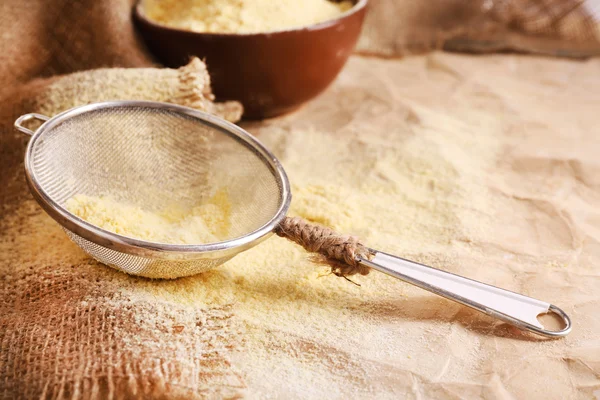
<point x="358" y="7"/>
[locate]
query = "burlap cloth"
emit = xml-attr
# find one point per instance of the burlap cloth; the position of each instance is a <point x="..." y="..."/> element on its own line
<point x="484" y="166"/>
<point x="566" y="28"/>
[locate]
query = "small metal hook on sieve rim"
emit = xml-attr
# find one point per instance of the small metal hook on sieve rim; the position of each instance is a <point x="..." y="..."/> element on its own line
<point x="29" y="117"/>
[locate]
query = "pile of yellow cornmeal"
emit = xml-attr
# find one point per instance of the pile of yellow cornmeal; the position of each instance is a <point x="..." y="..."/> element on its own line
<point x="242" y="16"/>
<point x="208" y="222"/>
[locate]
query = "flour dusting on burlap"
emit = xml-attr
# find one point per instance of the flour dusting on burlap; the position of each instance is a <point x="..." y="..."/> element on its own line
<point x="70" y="328"/>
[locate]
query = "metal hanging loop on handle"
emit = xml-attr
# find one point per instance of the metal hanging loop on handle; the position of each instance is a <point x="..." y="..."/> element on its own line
<point x="29" y="117"/>
<point x="514" y="308"/>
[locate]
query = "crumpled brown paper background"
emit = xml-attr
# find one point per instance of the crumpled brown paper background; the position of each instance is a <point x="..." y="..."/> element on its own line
<point x="483" y="166"/>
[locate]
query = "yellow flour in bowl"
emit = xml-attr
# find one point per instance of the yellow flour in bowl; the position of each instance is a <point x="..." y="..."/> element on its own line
<point x="242" y="16"/>
<point x="208" y="222"/>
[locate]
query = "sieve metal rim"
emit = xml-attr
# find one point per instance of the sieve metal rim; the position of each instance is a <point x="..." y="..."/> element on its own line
<point x="145" y="248"/>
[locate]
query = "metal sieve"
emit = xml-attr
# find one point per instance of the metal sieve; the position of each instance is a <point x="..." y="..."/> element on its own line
<point x="157" y="154"/>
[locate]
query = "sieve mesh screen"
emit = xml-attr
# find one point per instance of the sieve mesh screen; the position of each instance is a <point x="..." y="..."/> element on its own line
<point x="155" y="158"/>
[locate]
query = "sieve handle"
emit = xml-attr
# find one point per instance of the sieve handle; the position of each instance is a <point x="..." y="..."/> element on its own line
<point x="514" y="308"/>
<point x="29" y="117"/>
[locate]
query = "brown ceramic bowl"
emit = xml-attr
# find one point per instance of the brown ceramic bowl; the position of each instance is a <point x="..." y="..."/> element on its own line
<point x="269" y="73"/>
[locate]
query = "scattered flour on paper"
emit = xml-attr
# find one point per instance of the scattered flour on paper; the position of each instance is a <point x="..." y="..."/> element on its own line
<point x="390" y="197"/>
